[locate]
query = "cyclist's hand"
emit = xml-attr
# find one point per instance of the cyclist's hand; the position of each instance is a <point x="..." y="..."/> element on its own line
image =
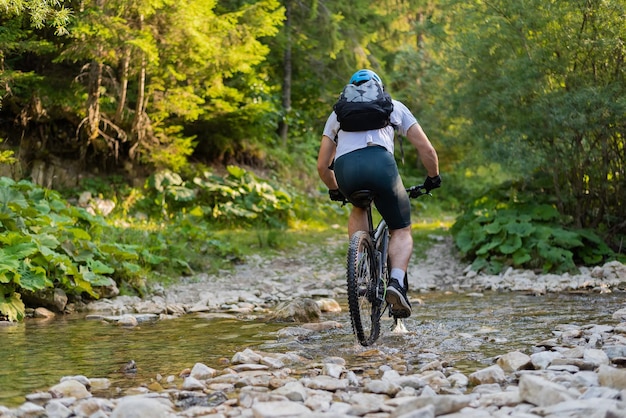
<point x="336" y="195"/>
<point x="416" y="192"/>
<point x="432" y="183"/>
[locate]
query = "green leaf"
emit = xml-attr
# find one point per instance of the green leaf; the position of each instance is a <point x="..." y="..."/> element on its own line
<point x="181" y="193"/>
<point x="9" y="268"/>
<point x="164" y="179"/>
<point x="566" y="239"/>
<point x="151" y="258"/>
<point x="494" y="242"/>
<point x="12" y="198"/>
<point x="131" y="268"/>
<point x="521" y="256"/>
<point x="493" y="228"/>
<point x="522" y="229"/>
<point x="83" y="279"/>
<point x="544" y="212"/>
<point x="511" y="244"/>
<point x="469" y="237"/>
<point x="77" y="234"/>
<point x="479" y="263"/>
<point x="21" y="250"/>
<point x="33" y="278"/>
<point x="99" y="267"/>
<point x="12" y="306"/>
<point x="45" y="241"/>
<point x="235" y="171"/>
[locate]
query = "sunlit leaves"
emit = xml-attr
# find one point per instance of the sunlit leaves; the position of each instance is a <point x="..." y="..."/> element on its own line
<point x="12" y="306"/>
<point x="240" y="198"/>
<point x="47" y="243"/>
<point x="40" y="12"/>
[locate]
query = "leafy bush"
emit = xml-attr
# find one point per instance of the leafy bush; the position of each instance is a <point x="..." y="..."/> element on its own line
<point x="238" y="199"/>
<point x="510" y="226"/>
<point x="47" y="243"/>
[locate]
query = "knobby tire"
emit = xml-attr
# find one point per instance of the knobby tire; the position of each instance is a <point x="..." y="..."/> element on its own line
<point x="365" y="305"/>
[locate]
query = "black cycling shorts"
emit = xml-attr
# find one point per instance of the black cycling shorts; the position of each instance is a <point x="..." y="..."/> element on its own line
<point x="374" y="168"/>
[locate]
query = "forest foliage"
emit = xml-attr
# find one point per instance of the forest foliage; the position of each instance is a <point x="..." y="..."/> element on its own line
<point x="524" y="101"/>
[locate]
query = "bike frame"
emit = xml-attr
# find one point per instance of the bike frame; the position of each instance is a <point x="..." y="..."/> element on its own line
<point x="370" y="289"/>
<point x="380" y="242"/>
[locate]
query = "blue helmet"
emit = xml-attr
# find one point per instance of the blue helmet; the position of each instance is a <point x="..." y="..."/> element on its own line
<point x="362" y="76"/>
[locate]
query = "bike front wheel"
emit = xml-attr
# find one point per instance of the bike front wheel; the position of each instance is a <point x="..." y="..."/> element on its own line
<point x="363" y="289"/>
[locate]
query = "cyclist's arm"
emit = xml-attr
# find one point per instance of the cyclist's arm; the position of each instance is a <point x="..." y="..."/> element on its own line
<point x="426" y="151"/>
<point x="324" y="160"/>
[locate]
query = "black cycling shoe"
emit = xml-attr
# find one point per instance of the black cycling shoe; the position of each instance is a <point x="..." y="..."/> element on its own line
<point x="396" y="297"/>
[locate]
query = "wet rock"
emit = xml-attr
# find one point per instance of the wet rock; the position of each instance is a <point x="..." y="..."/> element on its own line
<point x="333" y="370"/>
<point x="322" y="326"/>
<point x="542" y="392"/>
<point x="491" y="374"/>
<point x="382" y="387"/>
<point x="70" y="389"/>
<point x="366" y="403"/>
<point x="202" y="372"/>
<point x="298" y="310"/>
<point x="30" y="409"/>
<point x="84" y="380"/>
<point x="500" y="399"/>
<point x="294" y="391"/>
<point x="279" y="409"/>
<point x="436" y="380"/>
<point x="583" y="408"/>
<point x="143" y="406"/>
<point x="443" y="404"/>
<point x="514" y="361"/>
<point x="612" y="377"/>
<point x="543" y="359"/>
<point x="328" y="305"/>
<point x="43" y="313"/>
<point x="325" y="383"/>
<point x="191" y="383"/>
<point x="55" y="408"/>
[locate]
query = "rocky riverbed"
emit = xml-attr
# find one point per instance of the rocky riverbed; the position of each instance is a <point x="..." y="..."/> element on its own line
<point x="578" y="372"/>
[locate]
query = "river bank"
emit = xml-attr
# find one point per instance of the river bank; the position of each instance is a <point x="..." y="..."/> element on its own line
<point x="576" y="373"/>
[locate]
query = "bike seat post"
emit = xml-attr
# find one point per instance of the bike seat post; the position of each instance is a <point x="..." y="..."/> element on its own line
<point x="364" y="199"/>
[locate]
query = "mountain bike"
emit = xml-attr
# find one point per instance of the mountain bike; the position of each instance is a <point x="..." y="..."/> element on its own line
<point x="368" y="270"/>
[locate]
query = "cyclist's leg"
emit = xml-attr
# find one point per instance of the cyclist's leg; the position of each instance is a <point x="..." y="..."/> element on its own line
<point x="357" y="220"/>
<point x="394" y="206"/>
<point x="400" y="249"/>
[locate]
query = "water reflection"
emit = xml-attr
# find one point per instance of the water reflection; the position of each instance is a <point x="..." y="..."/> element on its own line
<point x="37" y="354"/>
<point x="464" y="330"/>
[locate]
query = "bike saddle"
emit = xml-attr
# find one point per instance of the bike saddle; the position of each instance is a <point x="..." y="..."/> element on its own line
<point x="362" y="198"/>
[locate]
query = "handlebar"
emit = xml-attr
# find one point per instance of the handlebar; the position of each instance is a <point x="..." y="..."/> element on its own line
<point x="417" y="191"/>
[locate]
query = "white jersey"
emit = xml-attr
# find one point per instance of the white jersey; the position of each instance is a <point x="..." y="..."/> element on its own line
<point x="401" y="118"/>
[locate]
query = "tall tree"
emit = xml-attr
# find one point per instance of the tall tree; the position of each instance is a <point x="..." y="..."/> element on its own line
<point x="547" y="79"/>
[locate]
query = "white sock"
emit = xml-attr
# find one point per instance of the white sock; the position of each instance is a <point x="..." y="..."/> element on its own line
<point x="398" y="274"/>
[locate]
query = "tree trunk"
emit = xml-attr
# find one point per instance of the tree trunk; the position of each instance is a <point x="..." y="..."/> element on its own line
<point x="283" y="125"/>
<point x="139" y="123"/>
<point x="93" y="100"/>
<point x="119" y="112"/>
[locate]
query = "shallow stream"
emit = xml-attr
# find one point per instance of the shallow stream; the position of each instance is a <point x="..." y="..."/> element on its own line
<point x="466" y="331"/>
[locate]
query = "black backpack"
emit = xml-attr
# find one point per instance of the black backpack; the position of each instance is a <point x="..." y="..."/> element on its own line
<point x="363" y="107"/>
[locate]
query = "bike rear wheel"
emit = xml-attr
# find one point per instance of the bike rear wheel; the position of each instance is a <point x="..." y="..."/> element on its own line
<point x="364" y="297"/>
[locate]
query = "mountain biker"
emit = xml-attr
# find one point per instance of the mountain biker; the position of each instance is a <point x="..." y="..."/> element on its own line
<point x="351" y="161"/>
